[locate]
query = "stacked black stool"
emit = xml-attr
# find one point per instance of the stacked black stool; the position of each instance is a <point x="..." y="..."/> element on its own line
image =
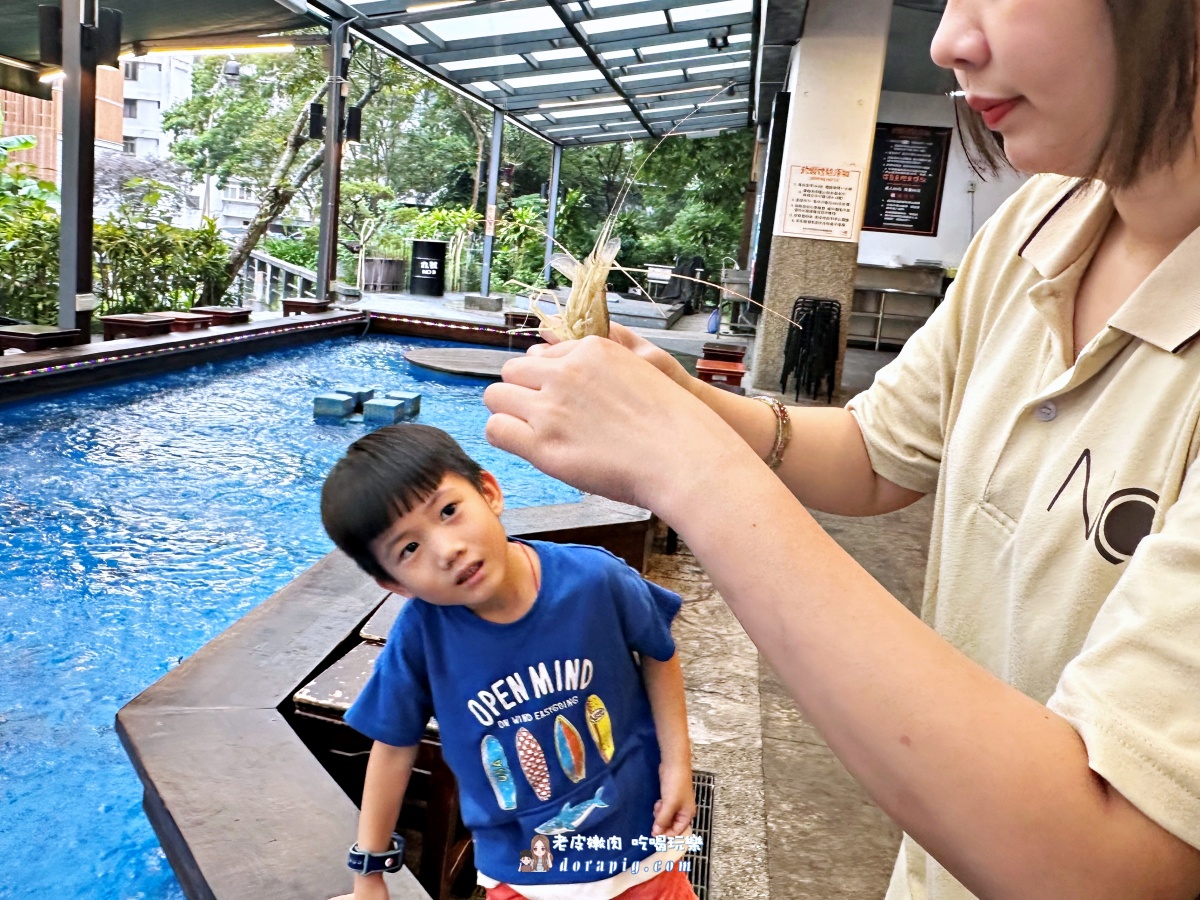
<point x="811" y="351"/>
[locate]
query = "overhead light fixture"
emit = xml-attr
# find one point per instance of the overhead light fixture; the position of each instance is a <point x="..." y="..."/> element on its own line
<point x="718" y="42"/>
<point x="438" y="4"/>
<point x="211" y="51"/>
<point x="956" y="93"/>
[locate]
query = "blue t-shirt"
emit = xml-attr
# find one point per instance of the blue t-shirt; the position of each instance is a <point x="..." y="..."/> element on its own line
<point x="545" y="721"/>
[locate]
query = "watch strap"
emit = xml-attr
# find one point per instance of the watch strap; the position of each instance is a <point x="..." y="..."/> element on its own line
<point x="363" y="862"/>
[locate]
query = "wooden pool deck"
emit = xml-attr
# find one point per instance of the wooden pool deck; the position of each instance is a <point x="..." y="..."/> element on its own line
<point x="25" y="375"/>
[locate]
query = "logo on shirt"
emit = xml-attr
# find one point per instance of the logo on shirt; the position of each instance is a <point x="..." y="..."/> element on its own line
<point x="1126" y="516"/>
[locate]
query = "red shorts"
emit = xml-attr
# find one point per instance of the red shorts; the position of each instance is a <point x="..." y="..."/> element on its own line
<point x="667" y="886"/>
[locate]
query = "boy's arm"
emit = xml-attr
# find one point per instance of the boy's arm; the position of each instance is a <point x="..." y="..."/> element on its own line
<point x="388" y="771"/>
<point x="664" y="686"/>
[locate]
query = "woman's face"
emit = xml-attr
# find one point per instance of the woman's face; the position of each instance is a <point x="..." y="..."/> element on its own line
<point x="1041" y="72"/>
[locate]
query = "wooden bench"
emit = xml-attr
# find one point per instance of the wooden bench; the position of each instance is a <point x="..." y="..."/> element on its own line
<point x="134" y="325"/>
<point x="298" y="305"/>
<point x="711" y="370"/>
<point x="38" y="337"/>
<point x="225" y="315"/>
<point x="431" y="800"/>
<point x="727" y="352"/>
<point x="184" y="321"/>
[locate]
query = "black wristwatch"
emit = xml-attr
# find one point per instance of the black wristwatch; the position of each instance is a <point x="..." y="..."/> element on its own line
<point x="363" y="863"/>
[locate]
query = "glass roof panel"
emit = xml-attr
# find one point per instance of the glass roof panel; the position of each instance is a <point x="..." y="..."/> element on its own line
<point x="574" y="128"/>
<point x="405" y="34"/>
<point x="482" y="63"/>
<point x="605" y="4"/>
<point x="565" y="53"/>
<point x="590" y="111"/>
<point x="669" y="48"/>
<point x="720" y="67"/>
<point x="495" y="24"/>
<point x="617" y="54"/>
<point x="557" y="78"/>
<point x="483" y="86"/>
<point x="711" y="10"/>
<point x="623" y="23"/>
<point x="590" y="101"/>
<point x="674" y="73"/>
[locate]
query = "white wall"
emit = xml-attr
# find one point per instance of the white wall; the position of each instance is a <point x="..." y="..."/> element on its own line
<point x="954" y="225"/>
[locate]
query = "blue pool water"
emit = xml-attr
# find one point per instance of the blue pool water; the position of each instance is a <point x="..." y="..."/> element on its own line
<point x="137" y="521"/>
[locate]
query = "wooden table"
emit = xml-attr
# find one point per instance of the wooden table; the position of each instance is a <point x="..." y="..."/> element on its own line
<point x="298" y="305"/>
<point x="184" y="321"/>
<point x="136" y="325"/>
<point x="225" y="315"/>
<point x="38" y="337"/>
<point x="726" y="352"/>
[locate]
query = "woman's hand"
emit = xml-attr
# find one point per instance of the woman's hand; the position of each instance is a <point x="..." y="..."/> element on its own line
<point x="606" y="420"/>
<point x="630" y="340"/>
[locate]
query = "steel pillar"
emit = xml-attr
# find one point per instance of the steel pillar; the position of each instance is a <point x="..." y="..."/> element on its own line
<point x="331" y="170"/>
<point x="493" y="179"/>
<point x="552" y="207"/>
<point x="78" y="157"/>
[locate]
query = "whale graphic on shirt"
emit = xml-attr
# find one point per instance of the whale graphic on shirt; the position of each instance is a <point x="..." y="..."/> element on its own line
<point x="571" y="817"/>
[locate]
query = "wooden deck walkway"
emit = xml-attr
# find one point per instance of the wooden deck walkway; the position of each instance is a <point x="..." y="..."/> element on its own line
<point x="462" y="361"/>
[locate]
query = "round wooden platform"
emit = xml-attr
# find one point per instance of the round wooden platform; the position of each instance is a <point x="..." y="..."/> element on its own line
<point x="464" y="361"/>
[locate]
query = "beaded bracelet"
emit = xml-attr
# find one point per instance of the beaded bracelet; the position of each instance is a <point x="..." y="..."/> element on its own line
<point x="783" y="431"/>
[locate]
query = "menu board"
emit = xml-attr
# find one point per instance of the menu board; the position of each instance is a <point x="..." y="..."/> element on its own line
<point x="908" y="172"/>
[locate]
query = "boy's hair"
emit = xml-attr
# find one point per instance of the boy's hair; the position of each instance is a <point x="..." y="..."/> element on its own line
<point x="381" y="478"/>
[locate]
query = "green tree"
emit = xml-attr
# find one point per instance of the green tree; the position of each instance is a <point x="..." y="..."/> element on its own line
<point x="256" y="128"/>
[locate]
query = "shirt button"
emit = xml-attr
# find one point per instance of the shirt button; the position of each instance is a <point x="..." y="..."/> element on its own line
<point x="1046" y="411"/>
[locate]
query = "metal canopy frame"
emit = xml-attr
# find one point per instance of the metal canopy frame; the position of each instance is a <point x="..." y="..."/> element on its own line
<point x="579" y="73"/>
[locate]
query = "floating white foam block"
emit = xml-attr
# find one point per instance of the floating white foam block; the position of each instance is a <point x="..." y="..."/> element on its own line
<point x="337" y="405"/>
<point x="383" y="412"/>
<point x="411" y="401"/>
<point x="360" y="394"/>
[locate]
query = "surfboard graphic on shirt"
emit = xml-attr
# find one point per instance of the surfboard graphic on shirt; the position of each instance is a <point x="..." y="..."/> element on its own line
<point x="569" y="746"/>
<point x="533" y="763"/>
<point x="600" y="726"/>
<point x="495" y="763"/>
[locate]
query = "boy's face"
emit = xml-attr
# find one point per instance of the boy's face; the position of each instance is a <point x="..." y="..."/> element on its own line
<point x="450" y="549"/>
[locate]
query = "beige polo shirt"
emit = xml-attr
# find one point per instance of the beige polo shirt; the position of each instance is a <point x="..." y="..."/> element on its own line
<point x="1065" y="555"/>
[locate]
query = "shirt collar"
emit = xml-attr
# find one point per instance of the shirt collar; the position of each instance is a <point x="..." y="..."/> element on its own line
<point x="1163" y="311"/>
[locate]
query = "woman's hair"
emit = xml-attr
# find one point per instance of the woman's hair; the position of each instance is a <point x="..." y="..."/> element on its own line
<point x="1156" y="95"/>
<point x="382" y="476"/>
<point x="545" y="842"/>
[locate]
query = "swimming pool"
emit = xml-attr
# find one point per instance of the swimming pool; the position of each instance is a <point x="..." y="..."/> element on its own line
<point x="138" y="521"/>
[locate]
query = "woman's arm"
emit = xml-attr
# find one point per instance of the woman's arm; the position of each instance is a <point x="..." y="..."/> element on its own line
<point x="989" y="781"/>
<point x="992" y="783"/>
<point x="664" y="686"/>
<point x="826" y="465"/>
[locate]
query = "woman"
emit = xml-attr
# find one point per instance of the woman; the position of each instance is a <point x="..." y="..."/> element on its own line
<point x="1044" y="740"/>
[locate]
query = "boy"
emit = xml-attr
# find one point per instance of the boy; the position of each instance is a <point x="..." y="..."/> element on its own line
<point x="566" y="751"/>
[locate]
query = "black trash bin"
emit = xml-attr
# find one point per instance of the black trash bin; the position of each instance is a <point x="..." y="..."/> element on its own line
<point x="427" y="276"/>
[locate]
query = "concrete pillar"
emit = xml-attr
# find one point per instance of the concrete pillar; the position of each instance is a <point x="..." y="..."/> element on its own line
<point x="835" y="75"/>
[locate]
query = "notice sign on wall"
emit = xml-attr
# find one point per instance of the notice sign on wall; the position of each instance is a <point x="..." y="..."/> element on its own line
<point x="908" y="172"/>
<point x="821" y="202"/>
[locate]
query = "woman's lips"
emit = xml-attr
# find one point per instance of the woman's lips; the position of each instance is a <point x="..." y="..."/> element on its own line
<point x="992" y="110"/>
